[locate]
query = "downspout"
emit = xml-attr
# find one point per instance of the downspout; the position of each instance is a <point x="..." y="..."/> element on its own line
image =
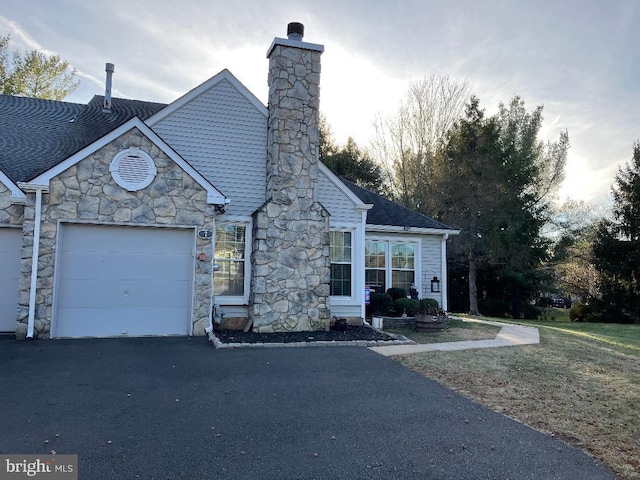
<point x="443" y="271"/>
<point x="209" y="329"/>
<point x="34" y="263"/>
<point x="219" y="209"/>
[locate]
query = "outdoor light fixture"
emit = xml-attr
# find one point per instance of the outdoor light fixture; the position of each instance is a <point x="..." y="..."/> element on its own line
<point x="435" y="285"/>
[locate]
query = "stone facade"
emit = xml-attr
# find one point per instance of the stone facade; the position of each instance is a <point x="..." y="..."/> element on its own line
<point x="87" y="192"/>
<point x="11" y="213"/>
<point x="290" y="260"/>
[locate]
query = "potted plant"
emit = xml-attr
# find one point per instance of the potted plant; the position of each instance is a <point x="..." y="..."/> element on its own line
<point x="430" y="316"/>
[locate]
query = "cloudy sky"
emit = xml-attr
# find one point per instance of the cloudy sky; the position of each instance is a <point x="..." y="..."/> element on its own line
<point x="578" y="58"/>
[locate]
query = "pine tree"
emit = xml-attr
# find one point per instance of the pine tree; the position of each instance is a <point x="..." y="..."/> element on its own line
<point x="616" y="250"/>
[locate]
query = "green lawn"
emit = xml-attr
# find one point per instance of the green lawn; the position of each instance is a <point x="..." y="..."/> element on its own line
<point x="581" y="384"/>
<point x="618" y="335"/>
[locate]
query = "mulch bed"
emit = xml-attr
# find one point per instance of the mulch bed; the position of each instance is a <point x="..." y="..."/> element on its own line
<point x="352" y="333"/>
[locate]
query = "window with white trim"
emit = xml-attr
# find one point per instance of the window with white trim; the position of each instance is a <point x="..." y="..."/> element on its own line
<point x="375" y="265"/>
<point x="341" y="263"/>
<point x="230" y="255"/>
<point x="390" y="264"/>
<point x="403" y="265"/>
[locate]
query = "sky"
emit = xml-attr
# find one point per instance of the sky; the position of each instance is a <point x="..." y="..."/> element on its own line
<point x="580" y="59"/>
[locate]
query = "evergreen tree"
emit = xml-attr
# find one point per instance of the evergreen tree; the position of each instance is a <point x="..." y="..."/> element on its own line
<point x="349" y="162"/>
<point x="616" y="250"/>
<point x="494" y="179"/>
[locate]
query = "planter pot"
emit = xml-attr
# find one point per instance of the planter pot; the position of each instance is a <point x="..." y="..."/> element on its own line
<point x="429" y="323"/>
<point x="377" y="322"/>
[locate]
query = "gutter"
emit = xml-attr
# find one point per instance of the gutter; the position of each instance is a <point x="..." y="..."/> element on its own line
<point x="38" y="189"/>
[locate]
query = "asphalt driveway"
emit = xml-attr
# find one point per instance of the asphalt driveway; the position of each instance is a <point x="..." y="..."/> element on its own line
<point x="174" y="408"/>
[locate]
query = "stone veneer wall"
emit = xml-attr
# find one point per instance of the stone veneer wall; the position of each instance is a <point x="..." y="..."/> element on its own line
<point x="10" y="213"/>
<point x="87" y="192"/>
<point x="290" y="260"/>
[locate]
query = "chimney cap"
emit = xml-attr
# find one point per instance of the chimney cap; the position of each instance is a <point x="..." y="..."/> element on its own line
<point x="295" y="31"/>
<point x="109" y="67"/>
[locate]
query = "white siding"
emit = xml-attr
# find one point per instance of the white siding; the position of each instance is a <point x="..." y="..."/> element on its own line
<point x="431" y="266"/>
<point x="224" y="137"/>
<point x="341" y="208"/>
<point x="344" y="216"/>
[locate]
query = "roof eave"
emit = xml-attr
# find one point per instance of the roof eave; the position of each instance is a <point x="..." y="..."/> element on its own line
<point x="409" y="230"/>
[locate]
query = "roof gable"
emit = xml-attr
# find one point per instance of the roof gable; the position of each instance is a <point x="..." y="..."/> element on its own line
<point x="386" y="213"/>
<point x="199" y="90"/>
<point x="357" y="201"/>
<point x="214" y="195"/>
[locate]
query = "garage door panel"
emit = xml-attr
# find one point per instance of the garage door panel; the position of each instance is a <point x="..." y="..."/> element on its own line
<point x="10" y="257"/>
<point x="95" y="322"/>
<point x="125" y="266"/>
<point x="109" y="239"/>
<point x="107" y="293"/>
<point x="115" y="280"/>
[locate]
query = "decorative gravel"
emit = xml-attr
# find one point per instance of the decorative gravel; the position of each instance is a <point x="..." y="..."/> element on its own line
<point x="353" y="333"/>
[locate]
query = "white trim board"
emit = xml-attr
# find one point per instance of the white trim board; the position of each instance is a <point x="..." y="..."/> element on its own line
<point x="16" y="193"/>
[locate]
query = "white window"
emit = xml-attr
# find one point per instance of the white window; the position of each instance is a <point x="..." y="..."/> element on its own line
<point x="231" y="255"/>
<point x="375" y="265"/>
<point x="390" y="264"/>
<point x="403" y="265"/>
<point x="341" y="263"/>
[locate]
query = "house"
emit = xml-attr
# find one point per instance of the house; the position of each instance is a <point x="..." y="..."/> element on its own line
<point x="130" y="218"/>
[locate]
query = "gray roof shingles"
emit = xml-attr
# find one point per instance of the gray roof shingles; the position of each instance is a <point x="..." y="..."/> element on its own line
<point x="37" y="134"/>
<point x="388" y="213"/>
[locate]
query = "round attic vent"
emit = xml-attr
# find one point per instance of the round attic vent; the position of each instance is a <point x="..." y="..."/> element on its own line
<point x="133" y="169"/>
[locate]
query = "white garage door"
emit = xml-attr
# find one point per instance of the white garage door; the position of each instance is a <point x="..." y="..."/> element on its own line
<point x="115" y="281"/>
<point x="10" y="246"/>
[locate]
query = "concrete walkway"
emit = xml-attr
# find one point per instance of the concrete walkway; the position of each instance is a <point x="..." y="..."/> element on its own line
<point x="508" y="336"/>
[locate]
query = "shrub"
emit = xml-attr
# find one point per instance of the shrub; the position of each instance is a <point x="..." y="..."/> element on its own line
<point x="397" y="293"/>
<point x="530" y="312"/>
<point x="427" y="306"/>
<point x="494" y="307"/>
<point x="580" y="312"/>
<point x="380" y="304"/>
<point x="406" y="305"/>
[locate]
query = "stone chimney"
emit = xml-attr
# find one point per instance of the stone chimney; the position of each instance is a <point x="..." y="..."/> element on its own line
<point x="290" y="260"/>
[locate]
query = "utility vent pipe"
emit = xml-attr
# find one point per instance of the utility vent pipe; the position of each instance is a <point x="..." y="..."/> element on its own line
<point x="106" y="106"/>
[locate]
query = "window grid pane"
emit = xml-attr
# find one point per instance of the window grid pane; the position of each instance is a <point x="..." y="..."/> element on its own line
<point x="230" y="256"/>
<point x="340" y="252"/>
<point x="340" y="280"/>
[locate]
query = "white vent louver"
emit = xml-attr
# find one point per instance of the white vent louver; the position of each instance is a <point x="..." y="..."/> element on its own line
<point x="133" y="169"/>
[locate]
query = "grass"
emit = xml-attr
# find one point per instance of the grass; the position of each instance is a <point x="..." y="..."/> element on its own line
<point x="581" y="384"/>
<point x="456" y="331"/>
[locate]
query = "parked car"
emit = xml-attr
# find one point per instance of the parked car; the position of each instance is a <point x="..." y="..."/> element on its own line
<point x="559" y="303"/>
